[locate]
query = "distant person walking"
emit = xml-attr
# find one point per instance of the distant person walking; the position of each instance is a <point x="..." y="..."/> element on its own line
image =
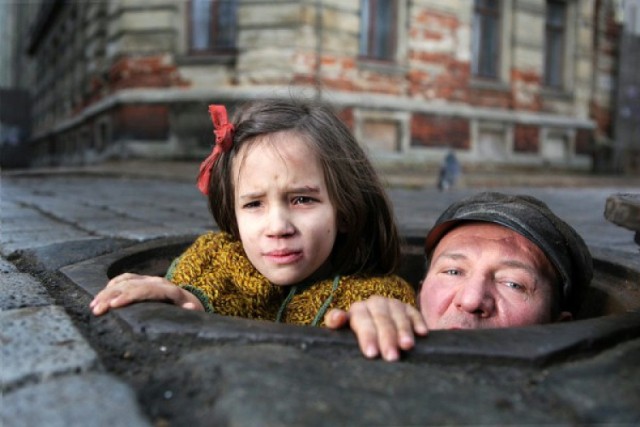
<point x="449" y="172"/>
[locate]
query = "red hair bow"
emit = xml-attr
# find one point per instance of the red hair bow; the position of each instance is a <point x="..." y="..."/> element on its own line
<point x="224" y="139"/>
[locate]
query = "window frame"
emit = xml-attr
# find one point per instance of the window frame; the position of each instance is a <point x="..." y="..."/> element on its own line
<point x="555" y="78"/>
<point x="478" y="60"/>
<point x="368" y="11"/>
<point x="213" y="46"/>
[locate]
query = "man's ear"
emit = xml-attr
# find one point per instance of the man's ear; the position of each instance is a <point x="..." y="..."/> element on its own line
<point x="564" y="316"/>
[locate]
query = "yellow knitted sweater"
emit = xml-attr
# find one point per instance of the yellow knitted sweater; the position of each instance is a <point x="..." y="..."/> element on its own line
<point x="217" y="271"/>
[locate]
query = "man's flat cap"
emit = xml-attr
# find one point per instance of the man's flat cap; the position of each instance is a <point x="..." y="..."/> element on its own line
<point x="533" y="219"/>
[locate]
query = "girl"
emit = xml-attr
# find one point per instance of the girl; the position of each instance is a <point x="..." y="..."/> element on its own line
<point x="305" y="223"/>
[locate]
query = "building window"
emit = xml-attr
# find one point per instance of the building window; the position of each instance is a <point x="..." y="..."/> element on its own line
<point x="212" y="26"/>
<point x="555" y="43"/>
<point x="378" y="30"/>
<point x="486" y="39"/>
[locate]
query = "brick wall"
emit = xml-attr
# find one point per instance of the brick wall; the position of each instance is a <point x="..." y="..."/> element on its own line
<point x="436" y="71"/>
<point x="144" y="72"/>
<point x="439" y="131"/>
<point x="526" y="139"/>
<point x="141" y="122"/>
<point x="584" y="139"/>
<point x="280" y="48"/>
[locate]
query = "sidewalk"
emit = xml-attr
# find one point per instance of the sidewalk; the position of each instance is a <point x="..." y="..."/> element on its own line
<point x="396" y="175"/>
<point x="63" y="367"/>
<point x="51" y="376"/>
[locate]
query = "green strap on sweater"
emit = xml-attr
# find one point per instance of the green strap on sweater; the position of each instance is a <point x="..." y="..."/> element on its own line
<point x="323" y="308"/>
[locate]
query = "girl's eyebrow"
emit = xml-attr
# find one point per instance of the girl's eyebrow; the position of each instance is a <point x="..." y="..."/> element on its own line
<point x="253" y="195"/>
<point x="307" y="189"/>
<point x="304" y="189"/>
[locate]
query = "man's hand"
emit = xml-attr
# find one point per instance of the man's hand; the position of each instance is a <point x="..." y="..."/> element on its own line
<point x="128" y="288"/>
<point x="382" y="325"/>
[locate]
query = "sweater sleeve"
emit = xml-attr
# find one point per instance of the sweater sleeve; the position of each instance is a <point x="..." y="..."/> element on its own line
<point x="216" y="270"/>
<point x="390" y="286"/>
<point x="196" y="262"/>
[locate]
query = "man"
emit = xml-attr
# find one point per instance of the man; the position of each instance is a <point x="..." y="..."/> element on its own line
<point x="494" y="260"/>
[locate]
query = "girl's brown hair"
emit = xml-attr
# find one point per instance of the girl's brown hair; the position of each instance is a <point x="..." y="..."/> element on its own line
<point x="371" y="244"/>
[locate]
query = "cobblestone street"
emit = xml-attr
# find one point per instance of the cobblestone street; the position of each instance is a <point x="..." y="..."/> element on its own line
<point x="59" y="362"/>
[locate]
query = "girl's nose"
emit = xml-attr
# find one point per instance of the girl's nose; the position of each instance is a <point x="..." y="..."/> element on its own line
<point x="279" y="223"/>
<point x="476" y="297"/>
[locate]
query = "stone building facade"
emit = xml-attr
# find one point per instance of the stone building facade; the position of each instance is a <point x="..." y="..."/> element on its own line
<point x="506" y="82"/>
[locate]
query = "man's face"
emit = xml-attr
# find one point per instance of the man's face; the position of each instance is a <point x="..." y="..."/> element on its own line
<point x="483" y="275"/>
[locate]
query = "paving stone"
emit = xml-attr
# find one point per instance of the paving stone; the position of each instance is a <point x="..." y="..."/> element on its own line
<point x="144" y="233"/>
<point x="89" y="400"/>
<point x="74" y="213"/>
<point x="20" y="241"/>
<point x="52" y="257"/>
<point x="29" y="224"/>
<point x="40" y="342"/>
<point x="19" y="290"/>
<point x="623" y="209"/>
<point x="12" y="211"/>
<point x="7" y="267"/>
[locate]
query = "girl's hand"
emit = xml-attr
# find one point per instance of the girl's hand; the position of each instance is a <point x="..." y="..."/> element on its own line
<point x="129" y="288"/>
<point x="383" y="326"/>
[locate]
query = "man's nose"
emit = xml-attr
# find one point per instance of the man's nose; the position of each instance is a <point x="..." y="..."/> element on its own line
<point x="475" y="296"/>
<point x="279" y="222"/>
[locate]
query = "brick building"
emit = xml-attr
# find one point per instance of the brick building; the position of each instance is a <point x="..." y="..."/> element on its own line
<point x="515" y="82"/>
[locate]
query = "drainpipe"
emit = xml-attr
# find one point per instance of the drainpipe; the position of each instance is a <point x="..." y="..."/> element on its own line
<point x="318" y="65"/>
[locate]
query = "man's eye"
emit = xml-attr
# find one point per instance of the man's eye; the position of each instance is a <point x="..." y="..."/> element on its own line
<point x="515" y="286"/>
<point x="452" y="272"/>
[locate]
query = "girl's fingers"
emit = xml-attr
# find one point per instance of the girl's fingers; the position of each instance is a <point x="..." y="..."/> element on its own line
<point x="120" y="291"/>
<point x="386" y="327"/>
<point x="123" y="278"/>
<point x="128" y="288"/>
<point x="403" y="325"/>
<point x="419" y="325"/>
<point x="336" y="318"/>
<point x="363" y="325"/>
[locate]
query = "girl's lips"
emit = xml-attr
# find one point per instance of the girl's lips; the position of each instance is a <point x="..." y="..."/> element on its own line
<point x="283" y="257"/>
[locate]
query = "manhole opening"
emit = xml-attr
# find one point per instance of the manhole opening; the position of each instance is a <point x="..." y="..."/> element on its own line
<point x="614" y="288"/>
<point x="611" y="314"/>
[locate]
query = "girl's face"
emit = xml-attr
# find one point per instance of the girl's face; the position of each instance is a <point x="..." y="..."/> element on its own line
<point x="286" y="221"/>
